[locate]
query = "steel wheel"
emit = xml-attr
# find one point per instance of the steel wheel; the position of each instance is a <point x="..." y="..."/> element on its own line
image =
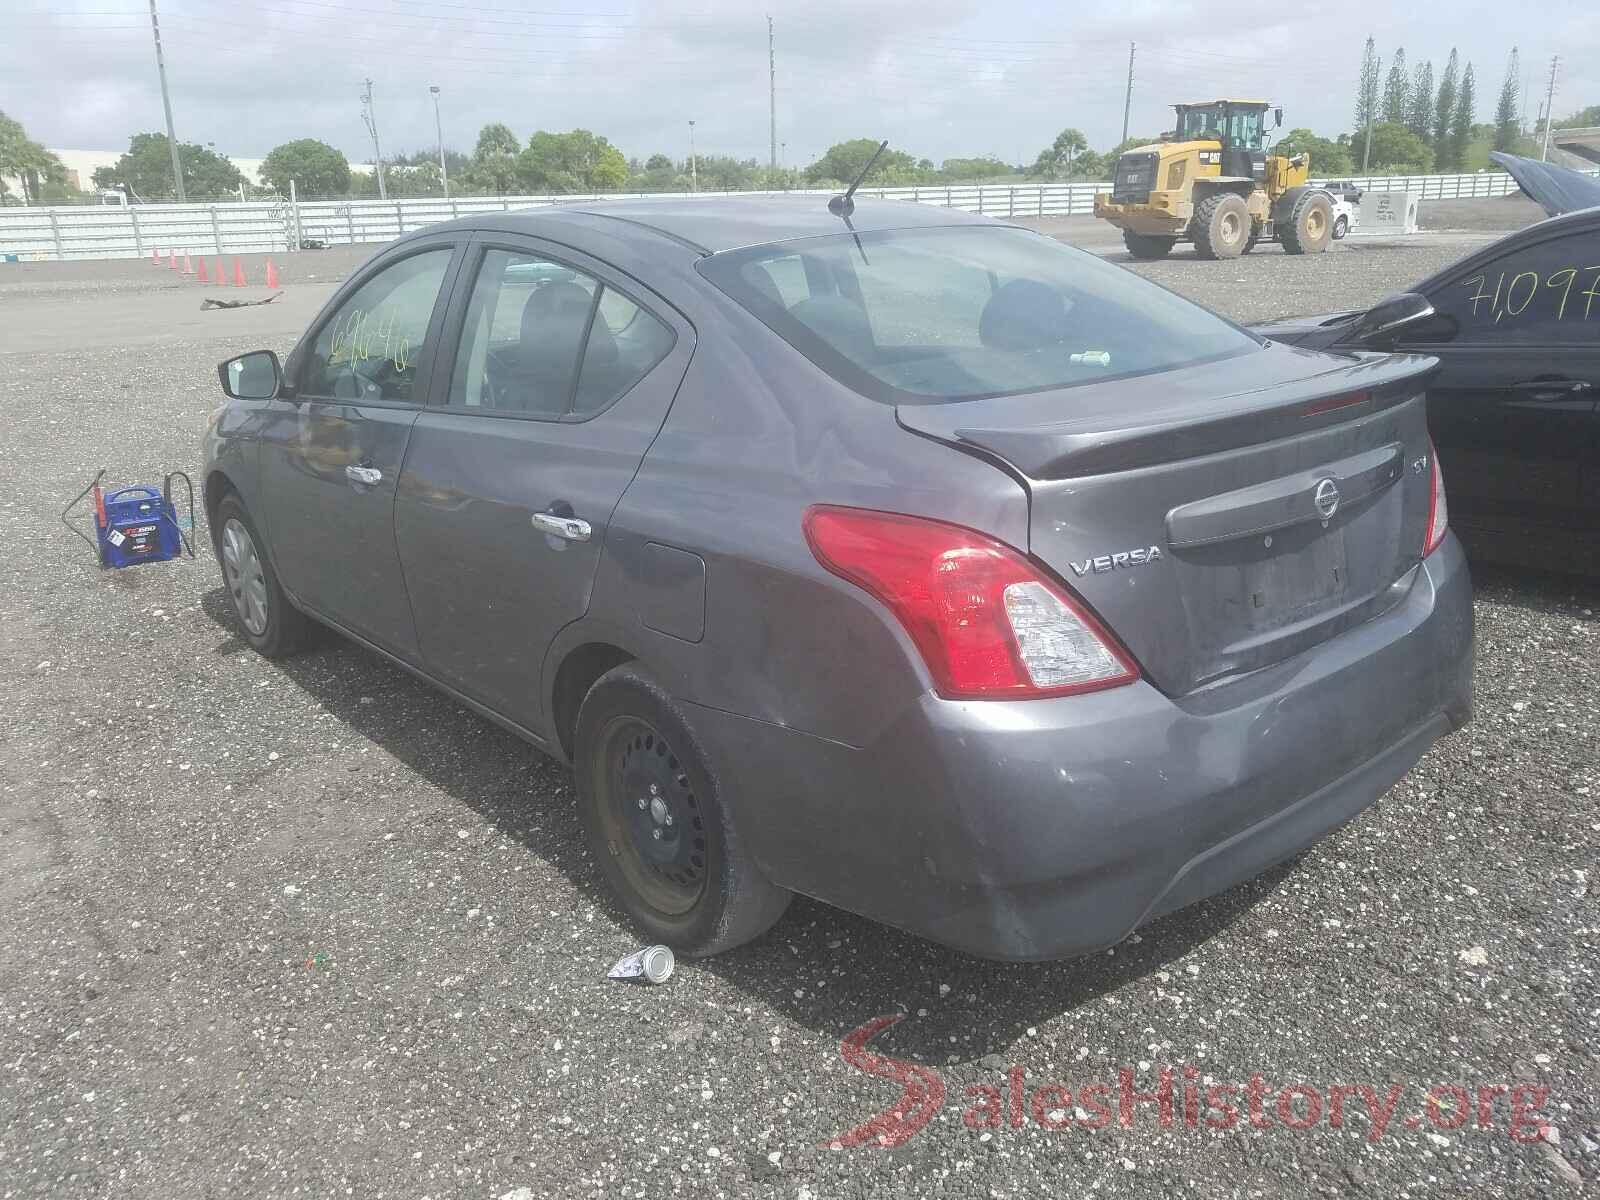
<point x="1315" y="224"/>
<point x="1229" y="227"/>
<point x="247" y="582"/>
<point x="652" y="816"/>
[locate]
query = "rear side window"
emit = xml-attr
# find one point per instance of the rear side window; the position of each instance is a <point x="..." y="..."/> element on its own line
<point x="542" y="339"/>
<point x="961" y="312"/>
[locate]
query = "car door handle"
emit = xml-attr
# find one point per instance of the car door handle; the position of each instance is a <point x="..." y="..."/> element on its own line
<point x="367" y="475"/>
<point x="1552" y="389"/>
<point x="572" y="529"/>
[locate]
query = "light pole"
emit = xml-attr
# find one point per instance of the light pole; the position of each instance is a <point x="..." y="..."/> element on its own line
<point x="694" y="174"/>
<point x="438" y="129"/>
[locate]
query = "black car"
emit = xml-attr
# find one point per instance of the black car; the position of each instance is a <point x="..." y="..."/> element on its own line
<point x="1513" y="408"/>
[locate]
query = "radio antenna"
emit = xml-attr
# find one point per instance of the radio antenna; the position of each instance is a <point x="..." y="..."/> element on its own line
<point x="845" y="204"/>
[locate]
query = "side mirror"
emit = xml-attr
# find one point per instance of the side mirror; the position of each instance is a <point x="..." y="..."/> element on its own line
<point x="254" y="376"/>
<point x="1386" y="320"/>
<point x="1277" y="118"/>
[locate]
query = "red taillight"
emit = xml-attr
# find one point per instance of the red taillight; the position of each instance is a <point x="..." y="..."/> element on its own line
<point x="988" y="623"/>
<point x="1438" y="508"/>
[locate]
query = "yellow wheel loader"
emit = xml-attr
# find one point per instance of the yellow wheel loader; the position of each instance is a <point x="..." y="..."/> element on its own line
<point x="1212" y="182"/>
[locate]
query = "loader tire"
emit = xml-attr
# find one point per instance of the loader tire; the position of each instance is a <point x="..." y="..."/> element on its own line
<point x="1147" y="245"/>
<point x="1309" y="228"/>
<point x="1221" y="226"/>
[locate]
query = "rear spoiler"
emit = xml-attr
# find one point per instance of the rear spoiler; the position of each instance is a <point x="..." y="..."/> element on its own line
<point x="1191" y="424"/>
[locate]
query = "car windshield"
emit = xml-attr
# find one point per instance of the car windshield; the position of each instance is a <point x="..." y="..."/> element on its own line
<point x="962" y="312"/>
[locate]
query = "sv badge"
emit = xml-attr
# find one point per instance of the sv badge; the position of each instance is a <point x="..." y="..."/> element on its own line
<point x="1102" y="563"/>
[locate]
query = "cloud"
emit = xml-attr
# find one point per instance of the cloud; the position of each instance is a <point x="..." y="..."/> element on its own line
<point x="939" y="78"/>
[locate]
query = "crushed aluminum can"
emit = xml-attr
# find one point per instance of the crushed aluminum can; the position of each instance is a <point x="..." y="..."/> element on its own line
<point x="654" y="964"/>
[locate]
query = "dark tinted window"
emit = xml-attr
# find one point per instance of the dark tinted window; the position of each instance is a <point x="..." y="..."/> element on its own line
<point x="932" y="315"/>
<point x="371" y="347"/>
<point x="1546" y="292"/>
<point x="545" y="340"/>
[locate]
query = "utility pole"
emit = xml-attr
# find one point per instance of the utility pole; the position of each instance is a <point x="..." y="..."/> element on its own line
<point x="1127" y="103"/>
<point x="1372" y="105"/>
<point x="1549" y="108"/>
<point x="772" y="94"/>
<point x="370" y="115"/>
<point x="694" y="174"/>
<point x="166" y="103"/>
<point x="438" y="129"/>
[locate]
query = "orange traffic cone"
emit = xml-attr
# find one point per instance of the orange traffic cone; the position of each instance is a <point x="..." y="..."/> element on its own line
<point x="188" y="267"/>
<point x="200" y="273"/>
<point x="221" y="276"/>
<point x="155" y="256"/>
<point x="272" y="274"/>
<point x="238" y="273"/>
<point x="172" y="259"/>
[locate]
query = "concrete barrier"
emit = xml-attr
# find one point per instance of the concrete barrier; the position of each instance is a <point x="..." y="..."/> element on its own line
<point x="1387" y="213"/>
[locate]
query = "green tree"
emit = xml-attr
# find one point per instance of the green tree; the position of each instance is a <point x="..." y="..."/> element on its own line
<point x="1419" y="108"/>
<point x="147" y="169"/>
<point x="1367" y="86"/>
<point x="658" y="162"/>
<point x="1582" y="119"/>
<point x="1396" y="91"/>
<point x="956" y="170"/>
<point x="42" y="175"/>
<point x="494" y="161"/>
<point x="1454" y="156"/>
<point x="1506" y="126"/>
<point x="1090" y="165"/>
<point x="316" y="168"/>
<point x="578" y="161"/>
<point x="844" y="160"/>
<point x="1129" y="144"/>
<point x="1444" y="108"/>
<point x="1056" y="160"/>
<point x="1395" y="148"/>
<point x="1328" y="158"/>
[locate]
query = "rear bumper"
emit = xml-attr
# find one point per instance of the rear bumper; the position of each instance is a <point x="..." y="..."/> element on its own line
<point x="1045" y="829"/>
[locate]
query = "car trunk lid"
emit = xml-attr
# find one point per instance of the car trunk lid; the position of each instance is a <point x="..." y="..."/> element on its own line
<point x="1223" y="517"/>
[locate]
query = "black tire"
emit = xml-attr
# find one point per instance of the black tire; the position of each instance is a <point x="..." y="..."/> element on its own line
<point x="1340" y="228"/>
<point x="1309" y="228"/>
<point x="1147" y="245"/>
<point x="267" y="618"/>
<point x="656" y="822"/>
<point x="1221" y="225"/>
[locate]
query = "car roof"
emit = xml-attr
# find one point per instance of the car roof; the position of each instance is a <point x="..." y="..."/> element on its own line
<point x="716" y="223"/>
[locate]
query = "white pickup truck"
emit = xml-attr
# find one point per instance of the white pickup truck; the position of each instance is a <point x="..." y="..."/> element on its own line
<point x="1346" y="198"/>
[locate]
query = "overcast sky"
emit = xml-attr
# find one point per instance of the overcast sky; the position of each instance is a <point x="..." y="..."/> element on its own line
<point x="939" y="78"/>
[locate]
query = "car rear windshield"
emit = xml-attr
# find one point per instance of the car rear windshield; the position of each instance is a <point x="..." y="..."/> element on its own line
<point x="934" y="315"/>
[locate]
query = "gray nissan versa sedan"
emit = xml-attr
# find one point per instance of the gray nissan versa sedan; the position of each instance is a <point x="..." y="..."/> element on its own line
<point x="904" y="558"/>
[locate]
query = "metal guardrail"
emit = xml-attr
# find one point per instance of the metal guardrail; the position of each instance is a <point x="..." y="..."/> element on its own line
<point x="77" y="231"/>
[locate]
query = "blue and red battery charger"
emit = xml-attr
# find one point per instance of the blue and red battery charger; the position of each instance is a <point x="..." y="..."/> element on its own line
<point x="136" y="524"/>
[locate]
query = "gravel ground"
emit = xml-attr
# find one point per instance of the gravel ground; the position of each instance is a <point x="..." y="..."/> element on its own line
<point x="309" y="928"/>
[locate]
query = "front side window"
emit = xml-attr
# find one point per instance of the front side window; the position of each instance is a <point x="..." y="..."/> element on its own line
<point x="371" y="348"/>
<point x="956" y="313"/>
<point x="1548" y="292"/>
<point x="544" y="340"/>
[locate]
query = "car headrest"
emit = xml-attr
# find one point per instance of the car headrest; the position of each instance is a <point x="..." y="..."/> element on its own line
<point x="1023" y="315"/>
<point x="840" y="322"/>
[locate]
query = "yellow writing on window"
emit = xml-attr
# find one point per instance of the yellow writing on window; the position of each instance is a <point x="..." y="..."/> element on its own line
<point x="1514" y="295"/>
<point x="360" y="336"/>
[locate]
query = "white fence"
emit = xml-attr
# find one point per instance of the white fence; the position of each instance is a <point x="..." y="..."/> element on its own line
<point x="80" y="231"/>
